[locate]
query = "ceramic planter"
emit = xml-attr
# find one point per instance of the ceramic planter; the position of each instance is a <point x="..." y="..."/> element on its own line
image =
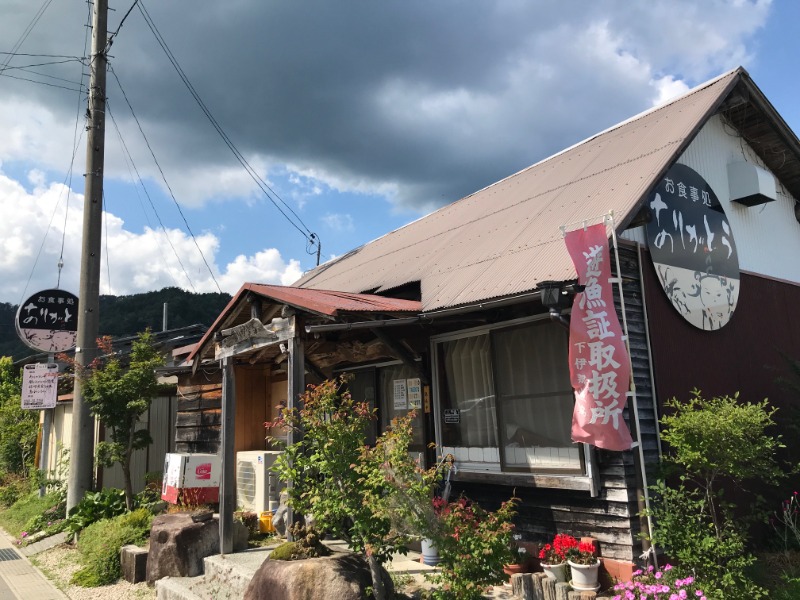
<point x="430" y="555"/>
<point x="584" y="577"/>
<point x="557" y="572"/>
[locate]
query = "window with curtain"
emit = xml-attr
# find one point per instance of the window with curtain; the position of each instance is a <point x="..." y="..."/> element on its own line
<point x="505" y="400"/>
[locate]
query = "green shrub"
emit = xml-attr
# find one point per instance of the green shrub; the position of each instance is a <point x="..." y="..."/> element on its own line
<point x="95" y="506"/>
<point x="12" y="488"/>
<point x="715" y="442"/>
<point x="29" y="506"/>
<point x="100" y="543"/>
<point x="474" y="544"/>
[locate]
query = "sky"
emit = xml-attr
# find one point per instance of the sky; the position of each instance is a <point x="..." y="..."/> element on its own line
<point x="358" y="117"/>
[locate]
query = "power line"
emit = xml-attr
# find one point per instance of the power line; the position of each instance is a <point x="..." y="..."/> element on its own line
<point x="55" y="85"/>
<point x="75" y="140"/>
<point x="26" y="33"/>
<point x="164" y="178"/>
<point x="121" y="23"/>
<point x="152" y="205"/>
<point x="311" y="237"/>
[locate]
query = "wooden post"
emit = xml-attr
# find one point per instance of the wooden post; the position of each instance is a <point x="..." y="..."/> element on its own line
<point x="538" y="586"/>
<point x="227" y="499"/>
<point x="81" y="464"/>
<point x="296" y="373"/>
<point x="562" y="591"/>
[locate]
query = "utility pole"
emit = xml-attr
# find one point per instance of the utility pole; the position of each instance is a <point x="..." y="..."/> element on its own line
<point x="81" y="469"/>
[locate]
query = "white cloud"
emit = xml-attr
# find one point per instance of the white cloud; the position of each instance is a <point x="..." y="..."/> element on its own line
<point x="132" y="262"/>
<point x="341" y="223"/>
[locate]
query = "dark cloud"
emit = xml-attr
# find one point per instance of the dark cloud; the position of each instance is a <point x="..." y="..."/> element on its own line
<point x="434" y="99"/>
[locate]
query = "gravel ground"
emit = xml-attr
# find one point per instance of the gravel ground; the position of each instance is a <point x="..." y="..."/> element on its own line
<point x="59" y="563"/>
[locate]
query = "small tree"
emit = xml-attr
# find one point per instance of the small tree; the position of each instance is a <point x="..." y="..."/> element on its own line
<point x="715" y="441"/>
<point x="117" y="395"/>
<point x="18" y="427"/>
<point x="373" y="498"/>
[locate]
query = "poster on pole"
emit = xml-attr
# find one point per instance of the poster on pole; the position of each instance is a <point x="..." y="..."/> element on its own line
<point x="39" y="386"/>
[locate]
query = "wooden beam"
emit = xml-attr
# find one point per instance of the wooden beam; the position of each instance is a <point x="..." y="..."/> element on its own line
<point x="296" y="372"/>
<point x="404" y="355"/>
<point x="228" y="484"/>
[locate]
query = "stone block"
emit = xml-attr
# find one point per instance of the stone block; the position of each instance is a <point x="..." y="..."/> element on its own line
<point x="133" y="563"/>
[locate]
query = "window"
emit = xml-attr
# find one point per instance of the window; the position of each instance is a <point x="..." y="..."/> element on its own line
<point x="505" y="401"/>
<point x="376" y="385"/>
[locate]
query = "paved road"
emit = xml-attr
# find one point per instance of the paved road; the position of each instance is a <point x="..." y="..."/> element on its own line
<point x="19" y="579"/>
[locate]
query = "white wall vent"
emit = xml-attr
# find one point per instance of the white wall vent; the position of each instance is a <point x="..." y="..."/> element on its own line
<point x="750" y="185"/>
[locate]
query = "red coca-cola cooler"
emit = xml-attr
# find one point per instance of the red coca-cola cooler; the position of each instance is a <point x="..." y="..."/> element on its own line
<point x="191" y="478"/>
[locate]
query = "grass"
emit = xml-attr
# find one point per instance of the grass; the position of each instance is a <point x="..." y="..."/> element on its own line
<point x="14" y="518"/>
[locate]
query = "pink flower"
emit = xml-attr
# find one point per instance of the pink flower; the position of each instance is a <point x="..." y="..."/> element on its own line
<point x="667" y="567"/>
<point x="658" y="575"/>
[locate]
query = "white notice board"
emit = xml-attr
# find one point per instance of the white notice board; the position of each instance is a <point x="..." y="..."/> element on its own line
<point x="39" y="386"/>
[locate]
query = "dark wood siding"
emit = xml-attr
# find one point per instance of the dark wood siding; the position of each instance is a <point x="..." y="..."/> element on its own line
<point x="612" y="516"/>
<point x="197" y="424"/>
<point x="748" y="355"/>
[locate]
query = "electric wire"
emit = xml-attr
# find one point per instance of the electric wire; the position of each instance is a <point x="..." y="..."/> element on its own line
<point x="126" y="157"/>
<point x="164" y="178"/>
<point x="55" y="85"/>
<point x="121" y="23"/>
<point x="152" y="205"/>
<point x="24" y="35"/>
<point x="68" y="178"/>
<point x="75" y="141"/>
<point x="311" y="238"/>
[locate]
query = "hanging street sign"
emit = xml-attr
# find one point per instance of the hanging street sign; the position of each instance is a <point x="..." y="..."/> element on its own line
<point x="39" y="386"/>
<point x="48" y="321"/>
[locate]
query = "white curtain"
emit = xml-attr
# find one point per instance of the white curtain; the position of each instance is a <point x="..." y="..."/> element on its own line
<point x="469" y="388"/>
<point x="533" y="388"/>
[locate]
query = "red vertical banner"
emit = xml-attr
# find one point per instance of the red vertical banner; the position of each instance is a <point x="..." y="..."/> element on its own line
<point x="599" y="365"/>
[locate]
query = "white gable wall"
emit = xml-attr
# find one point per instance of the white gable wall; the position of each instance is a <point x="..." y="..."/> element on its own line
<point x="767" y="236"/>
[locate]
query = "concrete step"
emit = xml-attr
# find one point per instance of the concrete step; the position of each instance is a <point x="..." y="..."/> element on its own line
<point x="194" y="588"/>
<point x="234" y="570"/>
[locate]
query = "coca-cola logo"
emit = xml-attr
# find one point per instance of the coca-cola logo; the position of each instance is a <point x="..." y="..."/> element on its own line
<point x="203" y="471"/>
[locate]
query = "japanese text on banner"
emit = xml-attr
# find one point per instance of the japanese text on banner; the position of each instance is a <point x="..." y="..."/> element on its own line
<point x="598" y="359"/>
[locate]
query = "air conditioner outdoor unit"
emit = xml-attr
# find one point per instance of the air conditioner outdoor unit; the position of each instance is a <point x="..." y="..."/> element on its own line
<point x="257" y="487"/>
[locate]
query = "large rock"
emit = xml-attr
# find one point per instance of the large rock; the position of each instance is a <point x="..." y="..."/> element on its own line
<point x="341" y="576"/>
<point x="179" y="542"/>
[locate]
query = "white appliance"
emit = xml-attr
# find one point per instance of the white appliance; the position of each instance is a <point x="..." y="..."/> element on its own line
<point x="191" y="478"/>
<point x="257" y="487"/>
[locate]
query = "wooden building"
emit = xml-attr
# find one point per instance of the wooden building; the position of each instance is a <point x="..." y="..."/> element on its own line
<point x="448" y="313"/>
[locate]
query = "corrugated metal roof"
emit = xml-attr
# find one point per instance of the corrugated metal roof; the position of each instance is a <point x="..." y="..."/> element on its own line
<point x="333" y="303"/>
<point x="505" y="239"/>
<point x="324" y="302"/>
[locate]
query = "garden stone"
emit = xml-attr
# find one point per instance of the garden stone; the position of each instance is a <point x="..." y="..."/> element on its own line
<point x="341" y="576"/>
<point x="133" y="563"/>
<point x="178" y="545"/>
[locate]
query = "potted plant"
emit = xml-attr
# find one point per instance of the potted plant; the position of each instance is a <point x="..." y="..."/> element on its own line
<point x="553" y="556"/>
<point x="521" y="558"/>
<point x="584" y="565"/>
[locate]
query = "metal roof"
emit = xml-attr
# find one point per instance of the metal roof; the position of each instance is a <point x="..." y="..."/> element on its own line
<point x="333" y="303"/>
<point x="505" y="238"/>
<point x="322" y="302"/>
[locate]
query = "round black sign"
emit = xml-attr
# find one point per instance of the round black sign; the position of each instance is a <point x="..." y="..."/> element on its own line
<point x="692" y="247"/>
<point x="48" y="321"/>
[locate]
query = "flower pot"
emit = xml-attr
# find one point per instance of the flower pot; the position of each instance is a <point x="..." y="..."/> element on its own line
<point x="557" y="572"/>
<point x="584" y="577"/>
<point x="430" y="555"/>
<point x="514" y="569"/>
